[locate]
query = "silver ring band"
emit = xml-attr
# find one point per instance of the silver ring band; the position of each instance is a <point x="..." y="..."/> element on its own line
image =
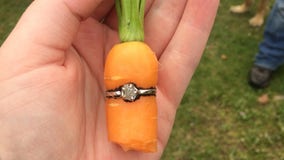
<point x="129" y="92"/>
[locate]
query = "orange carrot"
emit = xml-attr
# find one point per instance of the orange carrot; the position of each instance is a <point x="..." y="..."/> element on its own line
<point x="133" y="125"/>
<point x="130" y="77"/>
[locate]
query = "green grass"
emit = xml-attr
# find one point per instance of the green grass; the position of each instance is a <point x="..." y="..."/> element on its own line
<point x="10" y="11"/>
<point x="219" y="117"/>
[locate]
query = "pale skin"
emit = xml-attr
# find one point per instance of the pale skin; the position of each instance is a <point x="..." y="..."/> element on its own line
<point x="51" y="75"/>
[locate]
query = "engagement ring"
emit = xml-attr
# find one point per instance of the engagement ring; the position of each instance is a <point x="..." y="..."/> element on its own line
<point x="129" y="92"/>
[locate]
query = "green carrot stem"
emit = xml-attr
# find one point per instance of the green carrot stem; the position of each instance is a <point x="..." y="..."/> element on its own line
<point x="130" y="19"/>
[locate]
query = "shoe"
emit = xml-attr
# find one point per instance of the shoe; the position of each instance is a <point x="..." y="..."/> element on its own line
<point x="259" y="77"/>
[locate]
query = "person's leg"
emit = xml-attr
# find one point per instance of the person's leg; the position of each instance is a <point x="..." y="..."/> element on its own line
<point x="271" y="49"/>
<point x="241" y="8"/>
<point x="258" y="19"/>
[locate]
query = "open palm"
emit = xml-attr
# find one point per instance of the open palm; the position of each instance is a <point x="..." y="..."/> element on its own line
<point x="51" y="75"/>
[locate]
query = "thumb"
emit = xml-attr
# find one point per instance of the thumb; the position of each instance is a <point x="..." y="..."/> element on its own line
<point x="44" y="33"/>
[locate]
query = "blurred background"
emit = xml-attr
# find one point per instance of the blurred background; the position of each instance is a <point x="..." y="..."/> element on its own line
<point x="220" y="117"/>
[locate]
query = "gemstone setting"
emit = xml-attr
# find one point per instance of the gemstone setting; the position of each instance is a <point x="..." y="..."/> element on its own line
<point x="129" y="92"/>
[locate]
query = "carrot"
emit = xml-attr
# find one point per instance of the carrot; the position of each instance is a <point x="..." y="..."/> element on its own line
<point x="131" y="68"/>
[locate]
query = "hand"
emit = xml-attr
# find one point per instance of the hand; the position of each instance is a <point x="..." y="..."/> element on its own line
<point x="51" y="75"/>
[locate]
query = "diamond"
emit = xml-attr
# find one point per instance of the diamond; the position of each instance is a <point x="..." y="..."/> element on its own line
<point x="129" y="92"/>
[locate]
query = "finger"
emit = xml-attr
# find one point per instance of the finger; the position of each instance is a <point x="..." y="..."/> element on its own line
<point x="161" y="23"/>
<point x="180" y="59"/>
<point x="93" y="41"/>
<point x="184" y="51"/>
<point x="45" y="32"/>
<point x="103" y="9"/>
